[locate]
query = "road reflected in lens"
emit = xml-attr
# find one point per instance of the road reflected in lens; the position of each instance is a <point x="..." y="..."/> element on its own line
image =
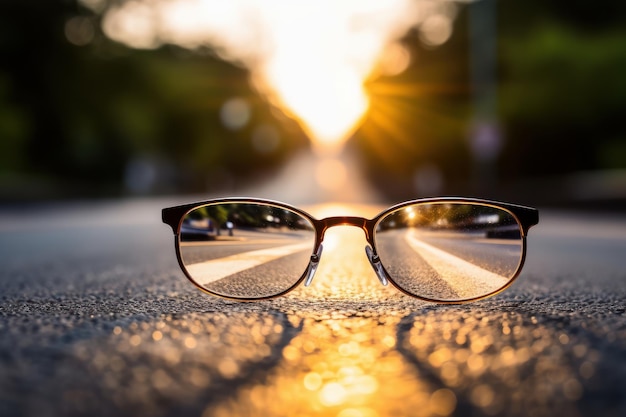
<point x="450" y="251"/>
<point x="245" y="250"/>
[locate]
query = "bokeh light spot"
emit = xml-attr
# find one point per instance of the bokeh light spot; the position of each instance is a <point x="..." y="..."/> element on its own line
<point x="190" y="342"/>
<point x="332" y="393"/>
<point x="235" y="113"/>
<point x="133" y="23"/>
<point x="312" y="381"/>
<point x="436" y="30"/>
<point x="135" y="340"/>
<point x="395" y="59"/>
<point x="80" y="30"/>
<point x="482" y="395"/>
<point x="228" y="368"/>
<point x="443" y="402"/>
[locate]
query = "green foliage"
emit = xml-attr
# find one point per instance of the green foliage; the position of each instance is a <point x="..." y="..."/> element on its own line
<point x="562" y="99"/>
<point x="13" y="131"/>
<point x="82" y="115"/>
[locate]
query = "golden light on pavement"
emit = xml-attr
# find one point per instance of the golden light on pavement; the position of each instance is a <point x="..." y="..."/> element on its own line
<point x="340" y="366"/>
<point x="309" y="59"/>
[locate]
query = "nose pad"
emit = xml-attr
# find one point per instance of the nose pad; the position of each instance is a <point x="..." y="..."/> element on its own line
<point x="313" y="263"/>
<point x="378" y="267"/>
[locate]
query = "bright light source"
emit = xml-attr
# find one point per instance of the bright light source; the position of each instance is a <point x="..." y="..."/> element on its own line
<point x="310" y="58"/>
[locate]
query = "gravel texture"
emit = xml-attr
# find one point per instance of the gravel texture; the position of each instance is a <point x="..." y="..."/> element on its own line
<point x="97" y="319"/>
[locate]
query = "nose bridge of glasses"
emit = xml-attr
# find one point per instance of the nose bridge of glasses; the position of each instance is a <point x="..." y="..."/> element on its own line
<point x="359" y="222"/>
<point x="364" y="224"/>
<point x="322" y="226"/>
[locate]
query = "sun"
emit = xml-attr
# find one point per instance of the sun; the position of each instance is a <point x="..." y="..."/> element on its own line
<point x="328" y="99"/>
<point x="311" y="59"/>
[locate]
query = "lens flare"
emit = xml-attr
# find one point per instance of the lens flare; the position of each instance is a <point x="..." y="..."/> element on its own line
<point x="310" y="59"/>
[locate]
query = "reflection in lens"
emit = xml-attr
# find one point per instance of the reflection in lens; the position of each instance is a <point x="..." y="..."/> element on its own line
<point x="450" y="251"/>
<point x="245" y="250"/>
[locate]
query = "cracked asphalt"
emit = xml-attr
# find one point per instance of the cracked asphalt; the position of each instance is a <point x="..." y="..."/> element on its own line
<point x="97" y="319"/>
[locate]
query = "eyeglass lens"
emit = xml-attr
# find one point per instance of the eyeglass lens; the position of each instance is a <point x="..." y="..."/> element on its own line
<point x="450" y="251"/>
<point x="439" y="250"/>
<point x="245" y="250"/>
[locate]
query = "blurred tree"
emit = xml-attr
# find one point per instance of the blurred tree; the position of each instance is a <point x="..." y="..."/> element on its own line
<point x="87" y="114"/>
<point x="13" y="130"/>
<point x="561" y="94"/>
<point x="414" y="139"/>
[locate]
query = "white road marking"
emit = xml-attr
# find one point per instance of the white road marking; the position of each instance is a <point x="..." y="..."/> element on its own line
<point x="465" y="278"/>
<point x="206" y="272"/>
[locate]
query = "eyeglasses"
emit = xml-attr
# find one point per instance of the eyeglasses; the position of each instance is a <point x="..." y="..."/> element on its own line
<point x="446" y="250"/>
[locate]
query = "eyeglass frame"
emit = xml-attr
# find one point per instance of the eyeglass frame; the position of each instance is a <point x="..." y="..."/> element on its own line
<point x="525" y="216"/>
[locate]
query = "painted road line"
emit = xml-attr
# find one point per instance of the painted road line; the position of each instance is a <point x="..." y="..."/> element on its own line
<point x="209" y="271"/>
<point x="465" y="278"/>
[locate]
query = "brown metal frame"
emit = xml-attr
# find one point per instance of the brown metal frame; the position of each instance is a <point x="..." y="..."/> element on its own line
<point x="526" y="217"/>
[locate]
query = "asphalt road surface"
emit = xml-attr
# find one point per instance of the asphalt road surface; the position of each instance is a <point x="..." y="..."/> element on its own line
<point x="97" y="319"/>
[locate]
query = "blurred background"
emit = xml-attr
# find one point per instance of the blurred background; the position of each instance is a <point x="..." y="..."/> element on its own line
<point x="520" y="101"/>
